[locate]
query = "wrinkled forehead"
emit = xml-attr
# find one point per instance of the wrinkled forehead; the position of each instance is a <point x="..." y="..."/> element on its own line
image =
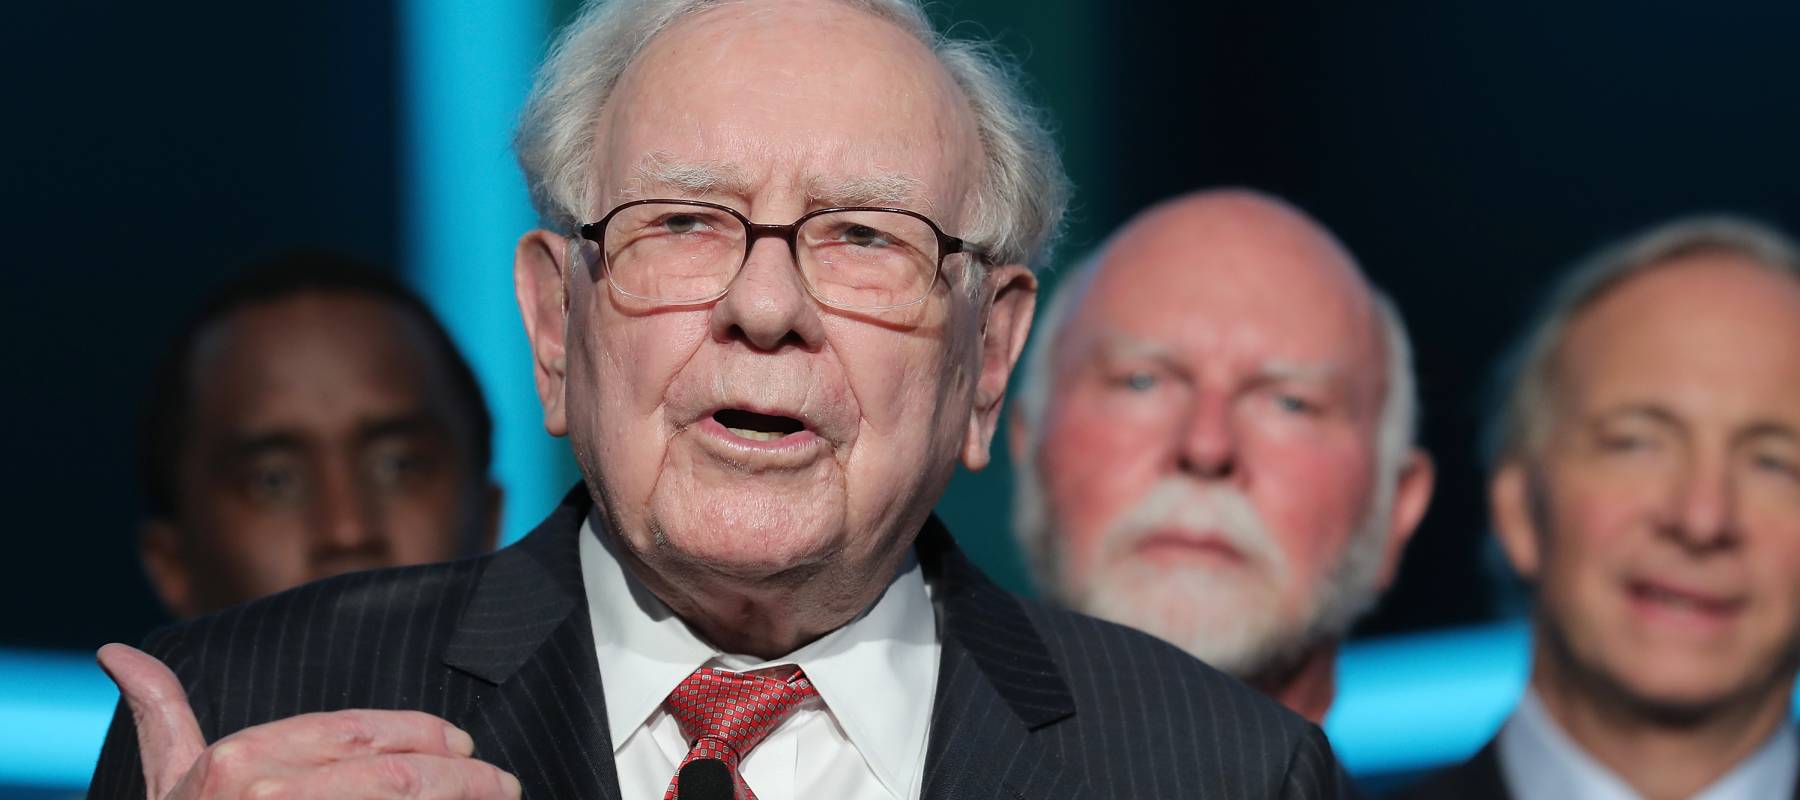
<point x="827" y="103"/>
<point x="1305" y="310"/>
<point x="1717" y="330"/>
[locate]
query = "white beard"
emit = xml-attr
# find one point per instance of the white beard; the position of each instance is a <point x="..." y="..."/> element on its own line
<point x="1228" y="615"/>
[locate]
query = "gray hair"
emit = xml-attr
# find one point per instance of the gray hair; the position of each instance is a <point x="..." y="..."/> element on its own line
<point x="1526" y="380"/>
<point x="1398" y="424"/>
<point x="1018" y="204"/>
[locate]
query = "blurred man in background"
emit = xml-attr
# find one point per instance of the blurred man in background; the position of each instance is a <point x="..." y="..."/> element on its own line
<point x="1646" y="481"/>
<point x="1215" y="440"/>
<point x="313" y="418"/>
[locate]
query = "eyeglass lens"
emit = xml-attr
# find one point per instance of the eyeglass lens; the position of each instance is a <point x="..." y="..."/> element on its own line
<point x="676" y="252"/>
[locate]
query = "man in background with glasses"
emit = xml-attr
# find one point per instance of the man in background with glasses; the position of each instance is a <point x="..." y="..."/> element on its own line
<point x="784" y="275"/>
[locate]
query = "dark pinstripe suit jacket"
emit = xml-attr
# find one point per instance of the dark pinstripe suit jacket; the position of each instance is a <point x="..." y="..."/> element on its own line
<point x="1032" y="702"/>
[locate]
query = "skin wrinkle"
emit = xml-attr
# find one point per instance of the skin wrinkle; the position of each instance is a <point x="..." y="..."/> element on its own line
<point x="887" y="392"/>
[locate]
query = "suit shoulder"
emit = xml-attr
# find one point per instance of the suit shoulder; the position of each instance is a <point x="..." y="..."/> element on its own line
<point x="359" y="600"/>
<point x="323" y="646"/>
<point x="1136" y="694"/>
<point x="1159" y="673"/>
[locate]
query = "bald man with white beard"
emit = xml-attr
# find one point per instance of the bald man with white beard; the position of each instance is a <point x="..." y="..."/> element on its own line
<point x="1214" y="440"/>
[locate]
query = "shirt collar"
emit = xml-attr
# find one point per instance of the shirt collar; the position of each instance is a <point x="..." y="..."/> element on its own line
<point x="645" y="651"/>
<point x="1539" y="760"/>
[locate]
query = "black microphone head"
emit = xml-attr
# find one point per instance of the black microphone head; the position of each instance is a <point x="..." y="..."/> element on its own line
<point x="704" y="779"/>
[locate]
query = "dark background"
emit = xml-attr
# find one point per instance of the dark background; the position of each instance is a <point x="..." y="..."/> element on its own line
<point x="1464" y="151"/>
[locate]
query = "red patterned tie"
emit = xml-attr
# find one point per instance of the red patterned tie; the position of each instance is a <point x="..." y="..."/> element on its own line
<point x="726" y="713"/>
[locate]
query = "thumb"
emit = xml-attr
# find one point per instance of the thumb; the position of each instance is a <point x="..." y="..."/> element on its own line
<point x="169" y="738"/>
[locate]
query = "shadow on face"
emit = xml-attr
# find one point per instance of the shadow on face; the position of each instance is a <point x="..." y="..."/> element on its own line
<point x="322" y="436"/>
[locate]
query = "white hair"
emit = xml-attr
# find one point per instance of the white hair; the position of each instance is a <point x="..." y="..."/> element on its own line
<point x="1019" y="200"/>
<point x="1349" y="588"/>
<point x="1526" y="379"/>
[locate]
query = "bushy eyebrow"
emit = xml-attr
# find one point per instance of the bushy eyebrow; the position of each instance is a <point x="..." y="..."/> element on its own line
<point x="660" y="172"/>
<point x="666" y="174"/>
<point x="1112" y="348"/>
<point x="890" y="189"/>
<point x="1301" y="372"/>
<point x="1770" y="430"/>
<point x="1666" y="418"/>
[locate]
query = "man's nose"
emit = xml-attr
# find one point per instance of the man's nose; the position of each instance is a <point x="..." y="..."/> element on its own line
<point x="1206" y="445"/>
<point x="1702" y="510"/>
<point x="767" y="305"/>
<point x="344" y="514"/>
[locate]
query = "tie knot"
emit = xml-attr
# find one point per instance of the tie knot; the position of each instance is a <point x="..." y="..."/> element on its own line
<point x="734" y="708"/>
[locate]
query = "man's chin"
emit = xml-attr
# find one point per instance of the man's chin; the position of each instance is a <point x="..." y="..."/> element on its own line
<point x="752" y="546"/>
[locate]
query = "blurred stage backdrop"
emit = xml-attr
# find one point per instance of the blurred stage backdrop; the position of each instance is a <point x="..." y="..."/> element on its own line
<point x="1462" y="151"/>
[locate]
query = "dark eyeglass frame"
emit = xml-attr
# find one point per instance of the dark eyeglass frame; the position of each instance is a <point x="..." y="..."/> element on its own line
<point x="947" y="245"/>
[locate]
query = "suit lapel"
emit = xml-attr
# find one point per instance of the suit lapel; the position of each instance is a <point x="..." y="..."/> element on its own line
<point x="1797" y="788"/>
<point x="1488" y="783"/>
<point x="997" y="689"/>
<point x="538" y="710"/>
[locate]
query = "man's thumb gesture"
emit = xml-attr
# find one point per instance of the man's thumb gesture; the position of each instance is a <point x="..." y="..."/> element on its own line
<point x="169" y="738"/>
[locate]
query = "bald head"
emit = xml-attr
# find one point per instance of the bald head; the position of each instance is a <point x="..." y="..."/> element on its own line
<point x="1216" y="443"/>
<point x="1256" y="266"/>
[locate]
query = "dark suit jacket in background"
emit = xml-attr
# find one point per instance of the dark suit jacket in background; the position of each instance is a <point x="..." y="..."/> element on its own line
<point x="1476" y="779"/>
<point x="1032" y="702"/>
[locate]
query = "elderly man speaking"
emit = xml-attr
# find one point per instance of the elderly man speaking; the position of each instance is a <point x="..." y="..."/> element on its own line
<point x="782" y="284"/>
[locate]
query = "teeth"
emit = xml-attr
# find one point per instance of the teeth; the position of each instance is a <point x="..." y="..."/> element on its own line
<point x="760" y="436"/>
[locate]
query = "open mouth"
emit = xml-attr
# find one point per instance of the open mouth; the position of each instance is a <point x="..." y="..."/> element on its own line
<point x="757" y="427"/>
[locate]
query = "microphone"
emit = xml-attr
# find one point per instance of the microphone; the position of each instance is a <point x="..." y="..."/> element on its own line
<point x="704" y="779"/>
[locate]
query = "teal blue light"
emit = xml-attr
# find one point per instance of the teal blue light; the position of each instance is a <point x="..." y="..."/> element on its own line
<point x="1409" y="702"/>
<point x="467" y="67"/>
<point x="1404" y="703"/>
<point x="54" y="708"/>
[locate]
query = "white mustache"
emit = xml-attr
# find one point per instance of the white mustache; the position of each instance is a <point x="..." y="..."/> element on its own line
<point x="1223" y="511"/>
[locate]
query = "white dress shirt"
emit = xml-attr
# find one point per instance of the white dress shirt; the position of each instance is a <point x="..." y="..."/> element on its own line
<point x="862" y="737"/>
<point x="1541" y="762"/>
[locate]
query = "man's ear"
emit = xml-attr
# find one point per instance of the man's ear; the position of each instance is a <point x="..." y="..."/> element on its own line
<point x="160" y="550"/>
<point x="1412" y="495"/>
<point x="540" y="264"/>
<point x="1515" y="518"/>
<point x="1005" y="326"/>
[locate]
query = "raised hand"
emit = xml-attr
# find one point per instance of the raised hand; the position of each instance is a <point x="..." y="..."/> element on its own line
<point x="338" y="754"/>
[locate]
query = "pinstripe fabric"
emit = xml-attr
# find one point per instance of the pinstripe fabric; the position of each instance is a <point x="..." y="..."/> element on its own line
<point x="1032" y="702"/>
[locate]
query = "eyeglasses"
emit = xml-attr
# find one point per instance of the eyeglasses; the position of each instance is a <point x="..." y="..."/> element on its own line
<point x="686" y="251"/>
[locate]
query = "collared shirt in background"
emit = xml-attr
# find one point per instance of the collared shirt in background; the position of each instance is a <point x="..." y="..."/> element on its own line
<point x="1541" y="762"/>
